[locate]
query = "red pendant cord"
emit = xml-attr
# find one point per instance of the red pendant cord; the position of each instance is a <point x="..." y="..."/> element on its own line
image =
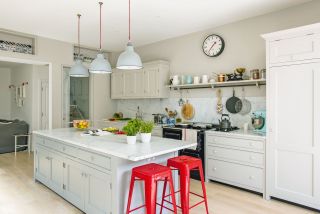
<point x="100" y="24"/>
<point x="129" y="20"/>
<point x="79" y="15"/>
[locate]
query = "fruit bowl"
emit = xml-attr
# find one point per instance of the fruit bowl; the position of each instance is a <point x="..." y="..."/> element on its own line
<point x="81" y="124"/>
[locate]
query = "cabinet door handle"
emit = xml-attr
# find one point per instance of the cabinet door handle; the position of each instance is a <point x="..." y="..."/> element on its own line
<point x="63" y="148"/>
<point x="251" y="177"/>
<point x="92" y="158"/>
<point x="214" y="151"/>
<point x="214" y="169"/>
<point x="252" y="158"/>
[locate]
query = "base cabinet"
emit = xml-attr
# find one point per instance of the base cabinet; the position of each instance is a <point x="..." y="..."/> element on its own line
<point x="234" y="160"/>
<point x="87" y="188"/>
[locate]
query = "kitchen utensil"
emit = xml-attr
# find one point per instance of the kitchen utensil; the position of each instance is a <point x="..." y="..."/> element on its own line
<point x="231" y="104"/>
<point x="219" y="102"/>
<point x="225" y="122"/>
<point x="187" y="111"/>
<point x="175" y="80"/>
<point x="240" y="71"/>
<point x="243" y="106"/>
<point x="221" y="77"/>
<point x="196" y="80"/>
<point x="258" y="120"/>
<point x="205" y="79"/>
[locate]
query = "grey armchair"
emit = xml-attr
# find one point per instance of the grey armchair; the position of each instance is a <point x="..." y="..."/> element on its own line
<point x="7" y="131"/>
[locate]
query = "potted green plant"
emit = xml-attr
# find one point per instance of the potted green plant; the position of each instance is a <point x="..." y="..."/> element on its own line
<point x="131" y="129"/>
<point x="145" y="130"/>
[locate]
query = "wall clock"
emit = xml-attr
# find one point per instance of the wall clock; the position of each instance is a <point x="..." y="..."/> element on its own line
<point x="213" y="45"/>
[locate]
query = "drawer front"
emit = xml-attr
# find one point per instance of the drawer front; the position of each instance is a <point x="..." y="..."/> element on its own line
<point x="295" y="49"/>
<point x="69" y="150"/>
<point x="235" y="142"/>
<point x="244" y="176"/>
<point x="95" y="159"/>
<point x="38" y="140"/>
<point x="236" y="155"/>
<point x="53" y="144"/>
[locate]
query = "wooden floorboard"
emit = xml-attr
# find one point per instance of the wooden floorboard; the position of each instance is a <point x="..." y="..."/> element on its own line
<point x="19" y="194"/>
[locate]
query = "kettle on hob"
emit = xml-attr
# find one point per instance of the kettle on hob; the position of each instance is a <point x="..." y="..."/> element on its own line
<point x="225" y="123"/>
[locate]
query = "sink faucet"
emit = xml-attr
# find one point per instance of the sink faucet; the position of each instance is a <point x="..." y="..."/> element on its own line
<point x="139" y="113"/>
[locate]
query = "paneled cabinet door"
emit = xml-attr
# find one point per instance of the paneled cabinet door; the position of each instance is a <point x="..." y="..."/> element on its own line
<point x="151" y="82"/>
<point x="74" y="182"/>
<point x="140" y="91"/>
<point x="56" y="178"/>
<point x="43" y="165"/>
<point x="97" y="192"/>
<point x="129" y="84"/>
<point x="117" y="84"/>
<point x="293" y="147"/>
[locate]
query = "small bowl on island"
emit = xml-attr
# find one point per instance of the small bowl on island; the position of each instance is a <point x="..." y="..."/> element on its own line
<point x="81" y="125"/>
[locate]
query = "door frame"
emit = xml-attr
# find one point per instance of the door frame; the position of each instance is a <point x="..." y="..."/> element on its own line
<point x="91" y="93"/>
<point x="37" y="62"/>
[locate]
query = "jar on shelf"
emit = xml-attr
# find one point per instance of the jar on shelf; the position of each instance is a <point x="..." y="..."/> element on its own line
<point x="263" y="74"/>
<point x="254" y="74"/>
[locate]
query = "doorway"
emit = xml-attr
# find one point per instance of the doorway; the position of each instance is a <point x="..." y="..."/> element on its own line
<point x="76" y="99"/>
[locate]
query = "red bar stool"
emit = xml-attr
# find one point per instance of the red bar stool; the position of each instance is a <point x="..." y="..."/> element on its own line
<point x="185" y="164"/>
<point x="151" y="174"/>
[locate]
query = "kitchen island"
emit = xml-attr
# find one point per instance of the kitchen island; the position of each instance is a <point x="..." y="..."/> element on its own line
<point x="93" y="172"/>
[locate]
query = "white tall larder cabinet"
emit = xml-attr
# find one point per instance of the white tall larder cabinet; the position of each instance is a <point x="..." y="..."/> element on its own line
<point x="293" y="115"/>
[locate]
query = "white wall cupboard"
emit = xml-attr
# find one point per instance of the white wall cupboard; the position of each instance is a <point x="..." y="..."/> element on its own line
<point x="238" y="160"/>
<point x="148" y="82"/>
<point x="293" y="103"/>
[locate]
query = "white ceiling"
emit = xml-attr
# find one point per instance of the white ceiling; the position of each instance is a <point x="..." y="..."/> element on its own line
<point x="152" y="20"/>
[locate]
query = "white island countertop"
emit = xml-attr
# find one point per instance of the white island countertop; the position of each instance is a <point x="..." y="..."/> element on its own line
<point x="116" y="145"/>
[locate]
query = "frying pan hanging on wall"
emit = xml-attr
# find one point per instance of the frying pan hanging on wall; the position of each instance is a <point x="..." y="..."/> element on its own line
<point x="231" y="104"/>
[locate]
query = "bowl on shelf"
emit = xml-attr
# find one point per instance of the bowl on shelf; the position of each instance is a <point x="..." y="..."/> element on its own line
<point x="81" y="124"/>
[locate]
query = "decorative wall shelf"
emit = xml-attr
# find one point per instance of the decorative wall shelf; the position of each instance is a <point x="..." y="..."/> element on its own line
<point x="17" y="42"/>
<point x="240" y="83"/>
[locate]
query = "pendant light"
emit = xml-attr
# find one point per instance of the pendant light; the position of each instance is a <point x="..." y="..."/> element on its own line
<point x="78" y="69"/>
<point x="129" y="59"/>
<point x="100" y="65"/>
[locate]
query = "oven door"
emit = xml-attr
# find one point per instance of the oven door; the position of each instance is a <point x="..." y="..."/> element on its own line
<point x="172" y="133"/>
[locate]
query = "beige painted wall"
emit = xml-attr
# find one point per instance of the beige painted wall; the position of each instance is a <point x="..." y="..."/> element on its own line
<point x="58" y="53"/>
<point x="244" y="46"/>
<point x="5" y="94"/>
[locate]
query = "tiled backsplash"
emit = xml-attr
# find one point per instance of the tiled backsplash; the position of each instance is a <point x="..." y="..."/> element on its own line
<point x="205" y="108"/>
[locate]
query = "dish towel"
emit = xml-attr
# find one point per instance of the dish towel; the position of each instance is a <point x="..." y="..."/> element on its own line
<point x="191" y="136"/>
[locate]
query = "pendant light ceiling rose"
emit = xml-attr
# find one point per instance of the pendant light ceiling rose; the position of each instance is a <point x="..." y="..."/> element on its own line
<point x="129" y="59"/>
<point x="100" y="65"/>
<point x="78" y="69"/>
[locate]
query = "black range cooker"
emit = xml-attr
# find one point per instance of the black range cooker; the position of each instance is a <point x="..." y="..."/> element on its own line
<point x="178" y="132"/>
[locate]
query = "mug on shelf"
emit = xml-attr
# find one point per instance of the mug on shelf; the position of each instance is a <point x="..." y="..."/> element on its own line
<point x="205" y="78"/>
<point x="196" y="80"/>
<point x="175" y="80"/>
<point x="188" y="79"/>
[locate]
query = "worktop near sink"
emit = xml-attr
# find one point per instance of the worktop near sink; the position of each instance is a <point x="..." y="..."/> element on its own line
<point x="93" y="172"/>
<point x="236" y="158"/>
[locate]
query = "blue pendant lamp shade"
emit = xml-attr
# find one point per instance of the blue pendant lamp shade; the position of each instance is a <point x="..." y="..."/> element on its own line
<point x="129" y="59"/>
<point x="78" y="69"/>
<point x="100" y="65"/>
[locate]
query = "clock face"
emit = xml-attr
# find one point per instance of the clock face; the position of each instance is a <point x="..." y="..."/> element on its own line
<point x="213" y="45"/>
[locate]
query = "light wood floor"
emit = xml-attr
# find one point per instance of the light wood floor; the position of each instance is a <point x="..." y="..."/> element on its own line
<point x="20" y="194"/>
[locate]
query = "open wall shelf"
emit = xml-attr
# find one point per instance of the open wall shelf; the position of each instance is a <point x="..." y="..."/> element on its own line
<point x="240" y="83"/>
